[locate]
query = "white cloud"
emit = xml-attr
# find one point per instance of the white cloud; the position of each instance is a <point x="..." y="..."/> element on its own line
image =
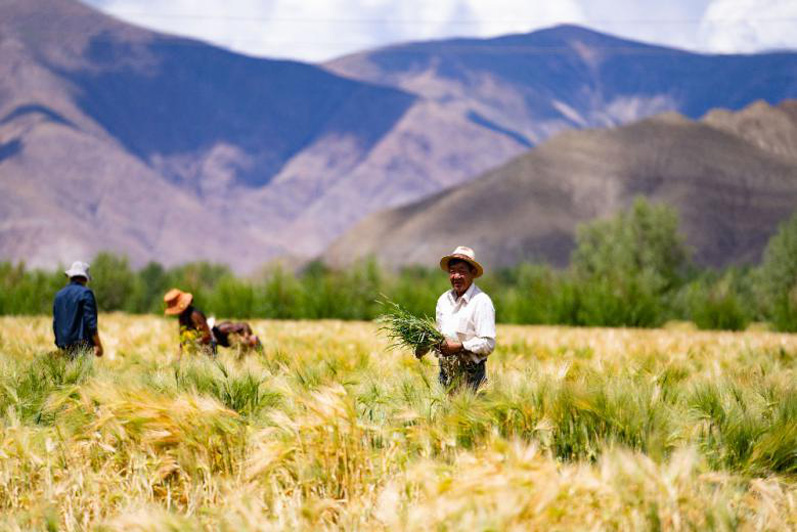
<point x="237" y="24"/>
<point x="499" y="17"/>
<point x="670" y="23"/>
<point x="316" y="30"/>
<point x="749" y="25"/>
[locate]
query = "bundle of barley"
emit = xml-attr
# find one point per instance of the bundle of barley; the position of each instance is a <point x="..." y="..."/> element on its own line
<point x="404" y="329"/>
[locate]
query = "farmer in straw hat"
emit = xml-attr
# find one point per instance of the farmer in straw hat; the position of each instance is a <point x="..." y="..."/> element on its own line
<point x="194" y="329"/>
<point x="466" y="317"/>
<point x="75" y="314"/>
<point x="205" y="332"/>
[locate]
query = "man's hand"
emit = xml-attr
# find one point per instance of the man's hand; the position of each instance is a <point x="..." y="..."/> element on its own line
<point x="98" y="351"/>
<point x="451" y="347"/>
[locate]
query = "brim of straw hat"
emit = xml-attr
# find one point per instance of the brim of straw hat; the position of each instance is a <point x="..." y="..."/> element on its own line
<point x="178" y="305"/>
<point x="448" y="258"/>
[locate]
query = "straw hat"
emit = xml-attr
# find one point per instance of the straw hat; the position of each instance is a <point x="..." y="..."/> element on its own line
<point x="177" y="301"/>
<point x="78" y="269"/>
<point x="462" y="253"/>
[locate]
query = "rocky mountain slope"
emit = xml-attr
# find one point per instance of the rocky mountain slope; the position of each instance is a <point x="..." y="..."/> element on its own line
<point x="113" y="137"/>
<point x="731" y="176"/>
<point x="534" y="85"/>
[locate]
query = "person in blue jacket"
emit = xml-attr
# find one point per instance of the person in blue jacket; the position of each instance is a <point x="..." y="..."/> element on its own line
<point x="75" y="315"/>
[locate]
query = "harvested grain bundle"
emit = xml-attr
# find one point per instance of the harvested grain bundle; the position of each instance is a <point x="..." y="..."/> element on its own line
<point x="404" y="329"/>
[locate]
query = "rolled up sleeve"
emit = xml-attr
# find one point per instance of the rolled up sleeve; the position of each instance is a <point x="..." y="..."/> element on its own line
<point x="483" y="343"/>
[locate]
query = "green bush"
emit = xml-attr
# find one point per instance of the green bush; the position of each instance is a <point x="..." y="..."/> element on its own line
<point x="279" y="295"/>
<point x="625" y="266"/>
<point x="114" y="283"/>
<point x="642" y="241"/>
<point x="28" y="292"/>
<point x="533" y="293"/>
<point x="232" y="298"/>
<point x="719" y="303"/>
<point x="777" y="277"/>
<point x="153" y="283"/>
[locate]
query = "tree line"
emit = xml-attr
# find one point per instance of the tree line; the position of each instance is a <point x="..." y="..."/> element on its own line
<point x="631" y="270"/>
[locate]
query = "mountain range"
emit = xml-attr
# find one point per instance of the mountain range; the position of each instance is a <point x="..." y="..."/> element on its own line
<point x="117" y="138"/>
<point x="732" y="177"/>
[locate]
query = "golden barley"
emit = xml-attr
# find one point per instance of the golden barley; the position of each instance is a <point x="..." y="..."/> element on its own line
<point x="598" y="429"/>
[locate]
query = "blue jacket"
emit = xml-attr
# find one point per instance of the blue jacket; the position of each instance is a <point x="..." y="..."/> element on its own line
<point x="74" y="316"/>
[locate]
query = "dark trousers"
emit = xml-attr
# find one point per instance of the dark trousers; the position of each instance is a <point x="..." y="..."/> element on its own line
<point x="467" y="373"/>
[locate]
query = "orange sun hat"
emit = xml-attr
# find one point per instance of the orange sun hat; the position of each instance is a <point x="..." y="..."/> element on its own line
<point x="177" y="301"/>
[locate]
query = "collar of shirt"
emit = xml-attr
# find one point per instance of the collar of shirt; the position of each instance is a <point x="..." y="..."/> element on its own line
<point x="466" y="297"/>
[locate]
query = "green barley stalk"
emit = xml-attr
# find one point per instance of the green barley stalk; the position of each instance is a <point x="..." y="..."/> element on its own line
<point x="404" y="329"/>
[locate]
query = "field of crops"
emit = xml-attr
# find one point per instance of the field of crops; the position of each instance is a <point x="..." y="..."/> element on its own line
<point x="576" y="429"/>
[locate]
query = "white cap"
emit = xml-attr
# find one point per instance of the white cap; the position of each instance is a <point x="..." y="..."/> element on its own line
<point x="78" y="269"/>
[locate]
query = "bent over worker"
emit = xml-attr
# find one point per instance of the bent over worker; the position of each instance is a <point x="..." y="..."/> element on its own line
<point x="75" y="315"/>
<point x="466" y="317"/>
<point x="235" y="333"/>
<point x="194" y="330"/>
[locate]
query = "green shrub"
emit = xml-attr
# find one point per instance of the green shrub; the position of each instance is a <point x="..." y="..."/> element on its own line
<point x="718" y="303"/>
<point x="279" y="295"/>
<point x="641" y="241"/>
<point x="28" y="292"/>
<point x="153" y="283"/>
<point x="114" y="283"/>
<point x="625" y="266"/>
<point x="232" y="298"/>
<point x="777" y="277"/>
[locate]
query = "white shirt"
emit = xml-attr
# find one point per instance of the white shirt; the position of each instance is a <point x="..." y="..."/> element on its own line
<point x="469" y="319"/>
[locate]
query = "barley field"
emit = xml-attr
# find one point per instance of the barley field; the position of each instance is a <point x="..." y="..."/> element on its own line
<point x="577" y="429"/>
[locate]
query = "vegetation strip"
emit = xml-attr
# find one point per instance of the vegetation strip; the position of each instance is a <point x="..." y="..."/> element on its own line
<point x="629" y="271"/>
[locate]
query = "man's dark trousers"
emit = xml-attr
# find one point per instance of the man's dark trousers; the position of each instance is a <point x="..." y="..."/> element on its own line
<point x="472" y="374"/>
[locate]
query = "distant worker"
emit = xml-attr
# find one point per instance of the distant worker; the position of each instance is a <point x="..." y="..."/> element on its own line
<point x="75" y="315"/>
<point x="195" y="334"/>
<point x="235" y="334"/>
<point x="203" y="334"/>
<point x="466" y="317"/>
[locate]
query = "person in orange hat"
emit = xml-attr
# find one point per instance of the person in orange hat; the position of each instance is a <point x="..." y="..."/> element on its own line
<point x="194" y="329"/>
<point x="466" y="317"/>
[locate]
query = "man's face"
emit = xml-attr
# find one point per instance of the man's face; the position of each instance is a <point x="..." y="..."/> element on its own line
<point x="461" y="276"/>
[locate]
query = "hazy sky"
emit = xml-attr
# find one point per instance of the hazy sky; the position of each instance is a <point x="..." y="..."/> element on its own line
<point x="315" y="30"/>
